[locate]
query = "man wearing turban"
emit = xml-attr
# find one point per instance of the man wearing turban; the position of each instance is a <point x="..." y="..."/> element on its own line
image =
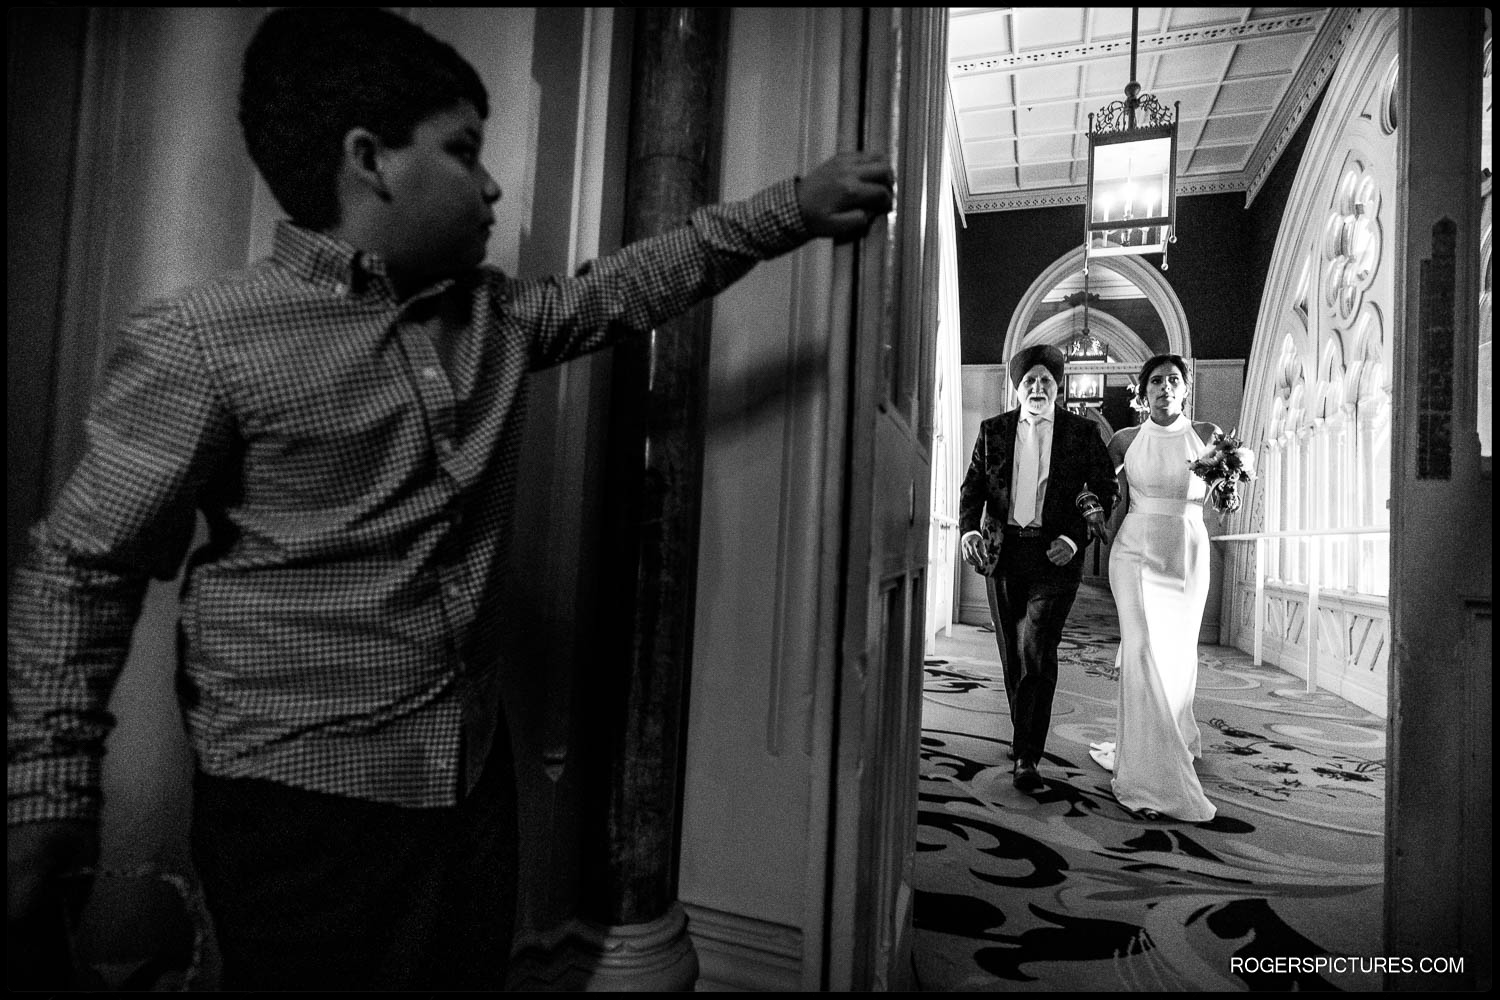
<point x="1039" y="487"/>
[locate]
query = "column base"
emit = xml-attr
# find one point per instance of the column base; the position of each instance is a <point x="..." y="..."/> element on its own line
<point x="652" y="957"/>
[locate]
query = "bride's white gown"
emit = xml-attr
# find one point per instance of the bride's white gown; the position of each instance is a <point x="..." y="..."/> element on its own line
<point x="1158" y="571"/>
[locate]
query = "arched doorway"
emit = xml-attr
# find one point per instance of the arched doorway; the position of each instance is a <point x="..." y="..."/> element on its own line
<point x="1131" y="312"/>
<point x="1126" y="271"/>
<point x="1122" y="309"/>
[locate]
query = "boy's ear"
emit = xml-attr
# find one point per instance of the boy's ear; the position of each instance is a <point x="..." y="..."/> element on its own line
<point x="362" y="159"/>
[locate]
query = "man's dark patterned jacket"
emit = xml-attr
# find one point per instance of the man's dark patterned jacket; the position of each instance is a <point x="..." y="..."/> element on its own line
<point x="1079" y="461"/>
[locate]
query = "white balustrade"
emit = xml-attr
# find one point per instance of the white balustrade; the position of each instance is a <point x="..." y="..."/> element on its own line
<point x="1314" y="538"/>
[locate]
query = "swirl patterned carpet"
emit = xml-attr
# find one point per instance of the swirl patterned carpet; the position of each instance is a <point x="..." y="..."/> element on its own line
<point x="1066" y="890"/>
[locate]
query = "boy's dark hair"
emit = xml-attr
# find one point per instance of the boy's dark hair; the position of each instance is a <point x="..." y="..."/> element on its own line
<point x="1156" y="362"/>
<point x="311" y="74"/>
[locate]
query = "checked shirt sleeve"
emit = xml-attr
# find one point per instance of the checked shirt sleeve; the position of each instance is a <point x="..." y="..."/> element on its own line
<point x="657" y="279"/>
<point x="127" y="513"/>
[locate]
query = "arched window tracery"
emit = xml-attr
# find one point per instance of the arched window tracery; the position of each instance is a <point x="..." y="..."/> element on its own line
<point x="1332" y="433"/>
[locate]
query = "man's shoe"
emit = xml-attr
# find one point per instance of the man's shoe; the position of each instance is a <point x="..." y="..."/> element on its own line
<point x="1026" y="777"/>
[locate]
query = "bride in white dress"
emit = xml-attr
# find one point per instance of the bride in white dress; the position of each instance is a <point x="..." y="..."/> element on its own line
<point x="1158" y="573"/>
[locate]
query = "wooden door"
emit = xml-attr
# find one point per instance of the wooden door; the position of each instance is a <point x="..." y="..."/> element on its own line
<point x="1440" y="819"/>
<point x="893" y="73"/>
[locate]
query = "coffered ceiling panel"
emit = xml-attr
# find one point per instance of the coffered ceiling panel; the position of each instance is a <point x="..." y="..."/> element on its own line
<point x="1224" y="129"/>
<point x="1046" y="84"/>
<point x="1248" y="95"/>
<point x="1023" y="81"/>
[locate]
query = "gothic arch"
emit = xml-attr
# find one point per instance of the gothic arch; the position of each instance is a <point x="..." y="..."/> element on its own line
<point x="1342" y="132"/>
<point x="1160" y="294"/>
<point x="1317" y="392"/>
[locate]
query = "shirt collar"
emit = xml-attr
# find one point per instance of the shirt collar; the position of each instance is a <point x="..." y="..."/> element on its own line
<point x="1043" y="418"/>
<point x="325" y="260"/>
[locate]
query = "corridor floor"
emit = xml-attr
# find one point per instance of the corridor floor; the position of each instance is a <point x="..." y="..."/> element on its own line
<point x="1066" y="890"/>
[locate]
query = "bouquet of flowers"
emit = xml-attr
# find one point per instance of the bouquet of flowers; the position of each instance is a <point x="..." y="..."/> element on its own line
<point x="1223" y="465"/>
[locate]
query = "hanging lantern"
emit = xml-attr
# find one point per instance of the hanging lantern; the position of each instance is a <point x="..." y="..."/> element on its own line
<point x="1132" y="180"/>
<point x="1085" y="388"/>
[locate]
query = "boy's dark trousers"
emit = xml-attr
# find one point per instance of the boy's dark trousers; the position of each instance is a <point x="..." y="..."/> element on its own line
<point x="310" y="891"/>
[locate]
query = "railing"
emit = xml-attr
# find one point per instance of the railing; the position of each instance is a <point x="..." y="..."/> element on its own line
<point x="1312" y="585"/>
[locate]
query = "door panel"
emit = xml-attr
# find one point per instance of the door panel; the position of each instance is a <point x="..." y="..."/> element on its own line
<point x="1440" y="811"/>
<point x="894" y="72"/>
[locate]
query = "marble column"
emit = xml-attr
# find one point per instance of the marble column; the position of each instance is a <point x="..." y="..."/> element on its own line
<point x="654" y="492"/>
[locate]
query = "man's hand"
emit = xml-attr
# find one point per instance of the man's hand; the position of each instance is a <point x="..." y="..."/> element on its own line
<point x="973" y="548"/>
<point x="842" y="196"/>
<point x="1060" y="552"/>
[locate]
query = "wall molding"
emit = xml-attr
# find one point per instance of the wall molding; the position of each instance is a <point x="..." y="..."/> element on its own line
<point x="582" y="956"/>
<point x="1010" y="201"/>
<point x="1057" y="197"/>
<point x="738" y="953"/>
<point x="1162" y="41"/>
<point x="806" y="413"/>
<point x="1316" y="70"/>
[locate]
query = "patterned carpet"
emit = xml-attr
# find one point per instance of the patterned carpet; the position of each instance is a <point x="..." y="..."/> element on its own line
<point x="1065" y="890"/>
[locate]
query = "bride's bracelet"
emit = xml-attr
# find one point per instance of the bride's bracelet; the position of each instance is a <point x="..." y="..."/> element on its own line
<point x="1089" y="504"/>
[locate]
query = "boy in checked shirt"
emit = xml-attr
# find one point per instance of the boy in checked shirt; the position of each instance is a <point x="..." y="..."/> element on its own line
<point x="346" y="414"/>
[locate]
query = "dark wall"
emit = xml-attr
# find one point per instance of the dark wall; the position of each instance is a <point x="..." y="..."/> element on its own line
<point x="1217" y="267"/>
<point x="999" y="255"/>
<point x="1210" y="269"/>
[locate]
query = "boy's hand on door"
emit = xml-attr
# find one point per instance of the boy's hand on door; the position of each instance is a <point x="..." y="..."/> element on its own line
<point x="844" y="195"/>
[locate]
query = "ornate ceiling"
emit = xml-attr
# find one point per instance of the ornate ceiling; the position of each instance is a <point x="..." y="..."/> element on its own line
<point x="1023" y="81"/>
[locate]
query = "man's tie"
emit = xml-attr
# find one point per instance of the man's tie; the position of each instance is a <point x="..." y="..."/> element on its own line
<point x="1023" y="507"/>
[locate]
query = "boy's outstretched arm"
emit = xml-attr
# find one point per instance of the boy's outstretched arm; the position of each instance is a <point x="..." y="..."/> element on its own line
<point x="656" y="279"/>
